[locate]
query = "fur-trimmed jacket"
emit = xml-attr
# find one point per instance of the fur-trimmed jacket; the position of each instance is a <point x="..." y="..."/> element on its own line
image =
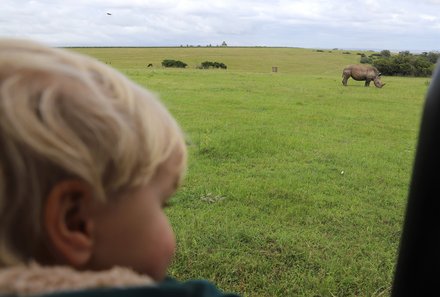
<point x="36" y="280"/>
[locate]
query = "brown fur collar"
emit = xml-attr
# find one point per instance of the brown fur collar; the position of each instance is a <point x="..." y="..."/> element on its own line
<point x="35" y="279"/>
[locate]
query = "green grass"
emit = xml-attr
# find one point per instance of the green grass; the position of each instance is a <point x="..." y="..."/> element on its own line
<point x="296" y="185"/>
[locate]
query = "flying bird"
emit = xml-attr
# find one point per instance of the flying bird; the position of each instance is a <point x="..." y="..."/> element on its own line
<point x="108" y="13"/>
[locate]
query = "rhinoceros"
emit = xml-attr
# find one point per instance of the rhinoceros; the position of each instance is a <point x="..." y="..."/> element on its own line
<point x="362" y="72"/>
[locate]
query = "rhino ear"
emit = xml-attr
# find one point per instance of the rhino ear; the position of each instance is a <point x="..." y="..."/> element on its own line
<point x="379" y="74"/>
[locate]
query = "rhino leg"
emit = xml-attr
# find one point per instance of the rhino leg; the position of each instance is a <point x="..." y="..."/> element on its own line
<point x="367" y="82"/>
<point x="345" y="76"/>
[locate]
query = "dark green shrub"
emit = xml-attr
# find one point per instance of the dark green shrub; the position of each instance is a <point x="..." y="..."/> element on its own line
<point x="422" y="66"/>
<point x="406" y="63"/>
<point x="405" y="69"/>
<point x="385" y="66"/>
<point x="208" y="64"/>
<point x="173" y="63"/>
<point x="375" y="55"/>
<point x="366" y="60"/>
<point x="432" y="57"/>
<point x="385" y="53"/>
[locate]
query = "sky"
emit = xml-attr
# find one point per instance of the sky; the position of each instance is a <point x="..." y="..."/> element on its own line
<point x="412" y="25"/>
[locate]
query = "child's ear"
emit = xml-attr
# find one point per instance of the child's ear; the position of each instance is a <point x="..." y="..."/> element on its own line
<point x="68" y="223"/>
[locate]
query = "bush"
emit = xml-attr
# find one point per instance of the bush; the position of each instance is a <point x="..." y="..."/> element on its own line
<point x="405" y="69"/>
<point x="385" y="66"/>
<point x="385" y="53"/>
<point x="423" y="67"/>
<point x="404" y="63"/>
<point x="173" y="63"/>
<point x="208" y="64"/>
<point x="366" y="60"/>
<point x="376" y="55"/>
<point x="431" y="56"/>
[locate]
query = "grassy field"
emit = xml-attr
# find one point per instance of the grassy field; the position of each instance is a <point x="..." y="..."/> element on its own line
<point x="296" y="185"/>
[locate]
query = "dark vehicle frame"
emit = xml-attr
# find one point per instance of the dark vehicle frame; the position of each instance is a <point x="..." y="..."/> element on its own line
<point x="417" y="271"/>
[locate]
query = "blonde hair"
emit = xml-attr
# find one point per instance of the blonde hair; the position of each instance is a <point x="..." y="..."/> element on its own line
<point x="64" y="115"/>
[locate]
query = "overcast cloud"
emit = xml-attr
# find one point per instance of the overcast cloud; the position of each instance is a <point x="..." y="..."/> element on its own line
<point x="394" y="25"/>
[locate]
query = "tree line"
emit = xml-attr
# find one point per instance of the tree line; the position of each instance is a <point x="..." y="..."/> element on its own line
<point x="402" y="64"/>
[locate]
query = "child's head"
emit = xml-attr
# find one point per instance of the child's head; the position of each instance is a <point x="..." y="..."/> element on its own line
<point x="87" y="160"/>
